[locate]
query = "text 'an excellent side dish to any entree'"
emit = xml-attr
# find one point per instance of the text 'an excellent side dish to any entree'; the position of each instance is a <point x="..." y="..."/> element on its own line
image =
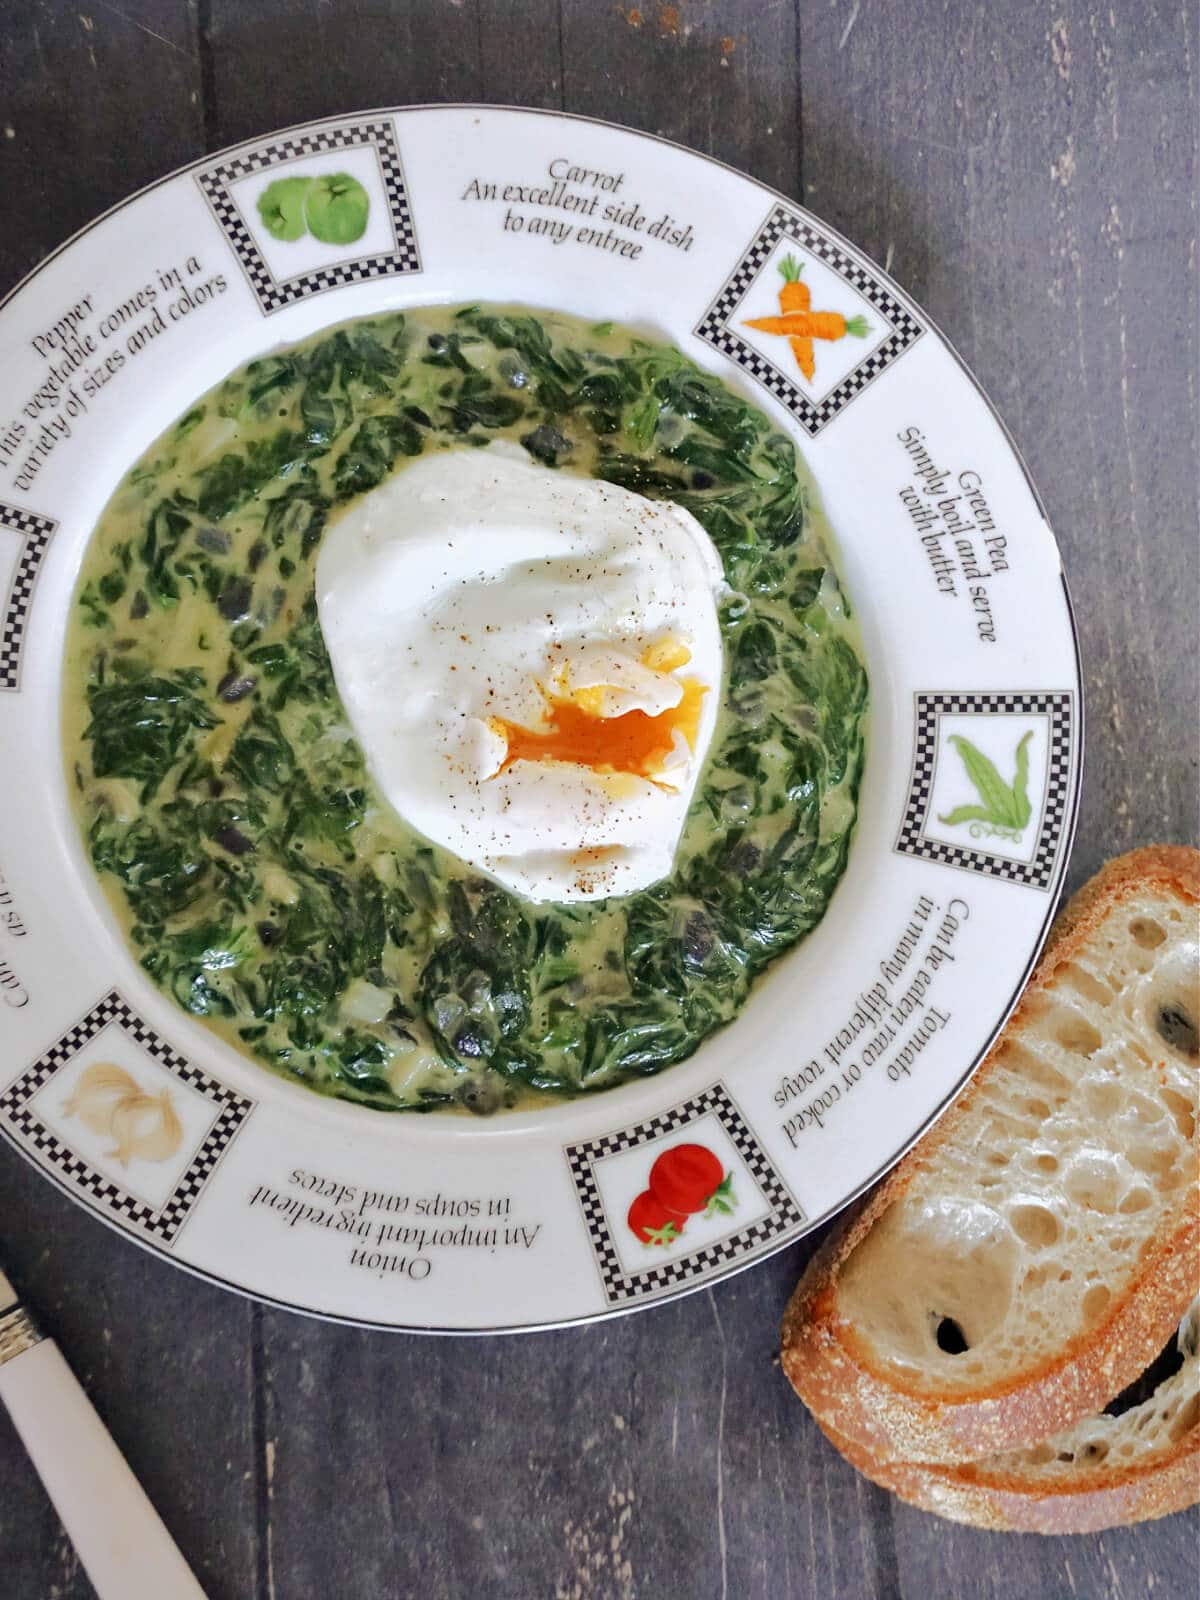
<point x="461" y="707"/>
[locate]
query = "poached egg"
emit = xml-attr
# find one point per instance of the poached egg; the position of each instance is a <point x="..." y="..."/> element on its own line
<point x="531" y="662"/>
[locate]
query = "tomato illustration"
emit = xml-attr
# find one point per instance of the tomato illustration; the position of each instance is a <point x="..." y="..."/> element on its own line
<point x="652" y="1222"/>
<point x="688" y="1178"/>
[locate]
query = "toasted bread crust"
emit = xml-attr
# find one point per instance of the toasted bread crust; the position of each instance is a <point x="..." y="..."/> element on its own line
<point x="833" y="1372"/>
<point x="1095" y="1499"/>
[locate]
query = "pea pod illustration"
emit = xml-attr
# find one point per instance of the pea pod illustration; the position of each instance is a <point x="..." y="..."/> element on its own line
<point x="332" y="206"/>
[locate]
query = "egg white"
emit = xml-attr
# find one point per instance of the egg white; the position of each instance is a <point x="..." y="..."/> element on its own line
<point x="456" y="595"/>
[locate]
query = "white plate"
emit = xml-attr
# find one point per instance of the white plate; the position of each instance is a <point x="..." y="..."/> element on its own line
<point x="851" y="1044"/>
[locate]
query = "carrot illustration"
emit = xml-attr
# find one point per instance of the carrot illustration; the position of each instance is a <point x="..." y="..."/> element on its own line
<point x="805" y="356"/>
<point x="799" y="324"/>
<point x="811" y="325"/>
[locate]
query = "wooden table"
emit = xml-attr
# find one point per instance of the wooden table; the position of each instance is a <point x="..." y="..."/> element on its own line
<point x="1027" y="171"/>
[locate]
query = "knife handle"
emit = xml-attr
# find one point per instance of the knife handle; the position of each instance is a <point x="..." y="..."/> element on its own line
<point x="120" y="1538"/>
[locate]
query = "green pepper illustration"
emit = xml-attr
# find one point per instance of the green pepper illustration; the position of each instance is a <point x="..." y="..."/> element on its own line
<point x="281" y="206"/>
<point x="332" y="207"/>
<point x="1003" y="805"/>
<point x="335" y="208"/>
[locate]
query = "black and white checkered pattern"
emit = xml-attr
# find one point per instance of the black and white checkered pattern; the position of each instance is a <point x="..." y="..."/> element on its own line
<point x="272" y="294"/>
<point x="35" y="534"/>
<point x="230" y="1110"/>
<point x="619" y="1285"/>
<point x="1037" y="873"/>
<point x="716" y="326"/>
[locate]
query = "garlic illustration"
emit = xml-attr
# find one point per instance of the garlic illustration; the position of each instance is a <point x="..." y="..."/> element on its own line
<point x="109" y="1102"/>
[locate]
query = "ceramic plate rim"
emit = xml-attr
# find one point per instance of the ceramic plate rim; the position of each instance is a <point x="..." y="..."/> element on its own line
<point x="1069" y="825"/>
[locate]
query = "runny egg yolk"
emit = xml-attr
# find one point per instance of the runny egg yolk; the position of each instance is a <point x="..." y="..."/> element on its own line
<point x="578" y="732"/>
<point x="474" y="586"/>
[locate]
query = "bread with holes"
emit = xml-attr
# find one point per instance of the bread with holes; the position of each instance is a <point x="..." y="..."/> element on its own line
<point x="1035" y="1251"/>
<point x="1103" y="1472"/>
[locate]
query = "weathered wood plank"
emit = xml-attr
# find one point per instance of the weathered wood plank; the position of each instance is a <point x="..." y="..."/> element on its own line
<point x="721" y="78"/>
<point x="593" y="1461"/>
<point x="521" y="53"/>
<point x="166" y="1360"/>
<point x="273" y="66"/>
<point x="329" y="59"/>
<point x="1029" y="178"/>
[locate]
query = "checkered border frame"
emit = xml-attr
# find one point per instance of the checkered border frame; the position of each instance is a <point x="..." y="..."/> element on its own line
<point x="35" y="534"/>
<point x="273" y="295"/>
<point x="715" y="330"/>
<point x="1035" y="874"/>
<point x="165" y="1223"/>
<point x="620" y="1285"/>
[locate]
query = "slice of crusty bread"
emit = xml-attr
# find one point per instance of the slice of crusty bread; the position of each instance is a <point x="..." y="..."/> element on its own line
<point x="1031" y="1256"/>
<point x="1100" y="1473"/>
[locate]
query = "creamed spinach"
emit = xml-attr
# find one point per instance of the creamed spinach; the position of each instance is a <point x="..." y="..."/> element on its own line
<point x="261" y="878"/>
